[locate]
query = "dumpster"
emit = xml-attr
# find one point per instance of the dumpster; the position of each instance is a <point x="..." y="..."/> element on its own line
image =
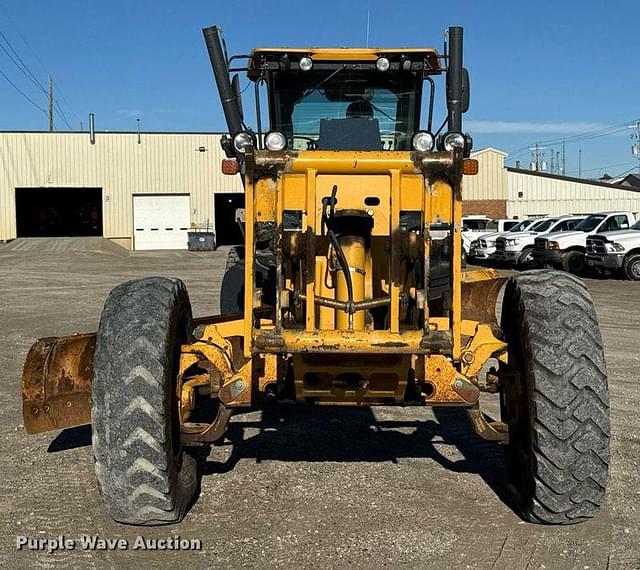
<point x="202" y="241"/>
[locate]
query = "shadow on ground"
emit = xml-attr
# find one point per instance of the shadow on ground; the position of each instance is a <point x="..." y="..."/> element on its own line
<point x="299" y="434"/>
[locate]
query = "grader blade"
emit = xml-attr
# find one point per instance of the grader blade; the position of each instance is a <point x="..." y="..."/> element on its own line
<point x="56" y="383"/>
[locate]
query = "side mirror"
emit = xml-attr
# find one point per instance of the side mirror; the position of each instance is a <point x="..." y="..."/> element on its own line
<point x="465" y="90"/>
<point x="235" y="83"/>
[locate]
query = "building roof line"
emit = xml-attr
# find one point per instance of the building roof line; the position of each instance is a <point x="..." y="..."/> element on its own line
<point x="490" y="149"/>
<point x="571" y="179"/>
<point x="114" y="132"/>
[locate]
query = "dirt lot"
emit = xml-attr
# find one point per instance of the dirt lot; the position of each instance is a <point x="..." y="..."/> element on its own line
<point x="299" y="487"/>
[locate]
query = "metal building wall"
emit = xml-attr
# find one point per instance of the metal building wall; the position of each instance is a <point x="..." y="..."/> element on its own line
<point x="554" y="195"/>
<point x="491" y="181"/>
<point x="161" y="163"/>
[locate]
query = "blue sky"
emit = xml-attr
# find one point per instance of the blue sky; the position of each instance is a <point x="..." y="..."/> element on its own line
<point x="539" y="70"/>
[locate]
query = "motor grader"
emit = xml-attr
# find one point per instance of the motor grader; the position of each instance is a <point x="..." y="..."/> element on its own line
<point x="348" y="290"/>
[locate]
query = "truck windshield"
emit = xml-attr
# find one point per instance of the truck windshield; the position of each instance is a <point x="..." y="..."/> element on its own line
<point x="523" y="225"/>
<point x="300" y="102"/>
<point x="542" y="226"/>
<point x="590" y="223"/>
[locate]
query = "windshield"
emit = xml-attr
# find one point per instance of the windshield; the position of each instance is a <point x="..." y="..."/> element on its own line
<point x="386" y="106"/>
<point x="588" y="224"/>
<point x="521" y="225"/>
<point x="542" y="226"/>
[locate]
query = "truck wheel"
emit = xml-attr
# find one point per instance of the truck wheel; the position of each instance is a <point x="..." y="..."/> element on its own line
<point x="557" y="406"/>
<point x="525" y="260"/>
<point x="632" y="267"/>
<point x="573" y="262"/>
<point x="144" y="475"/>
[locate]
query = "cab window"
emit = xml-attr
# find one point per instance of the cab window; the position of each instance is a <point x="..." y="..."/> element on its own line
<point x="614" y="223"/>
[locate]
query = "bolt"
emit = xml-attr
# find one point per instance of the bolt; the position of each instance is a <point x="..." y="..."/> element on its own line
<point x="46" y="408"/>
<point x="239" y="385"/>
<point x="458" y="384"/>
<point x="35" y="411"/>
<point x="68" y="403"/>
<point x="467" y="357"/>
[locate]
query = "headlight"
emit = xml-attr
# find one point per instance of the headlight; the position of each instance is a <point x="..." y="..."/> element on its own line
<point x="453" y="140"/>
<point x="275" y="140"/>
<point x="306" y="63"/>
<point x="553" y="245"/>
<point x="242" y="141"/>
<point x="615" y="246"/>
<point x="475" y="243"/>
<point x="382" y="64"/>
<point x="514" y="241"/>
<point x="423" y="141"/>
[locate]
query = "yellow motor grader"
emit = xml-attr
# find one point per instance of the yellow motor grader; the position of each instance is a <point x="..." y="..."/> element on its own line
<point x="348" y="290"/>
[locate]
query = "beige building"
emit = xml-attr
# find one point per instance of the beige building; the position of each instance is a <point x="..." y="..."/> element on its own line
<point x="142" y="192"/>
<point x="148" y="191"/>
<point x="500" y="191"/>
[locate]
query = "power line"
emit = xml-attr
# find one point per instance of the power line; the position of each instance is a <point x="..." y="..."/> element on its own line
<point x="588" y="135"/>
<point x="22" y="66"/>
<point x="40" y="63"/>
<point x="22" y="92"/>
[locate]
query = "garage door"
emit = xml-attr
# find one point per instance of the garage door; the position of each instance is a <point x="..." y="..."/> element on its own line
<point x="161" y="221"/>
<point x="58" y="212"/>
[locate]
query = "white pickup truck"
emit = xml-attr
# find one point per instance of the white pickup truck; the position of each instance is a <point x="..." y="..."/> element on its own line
<point x="516" y="248"/>
<point x="567" y="250"/>
<point x="619" y="250"/>
<point x="483" y="248"/>
<point x="475" y="227"/>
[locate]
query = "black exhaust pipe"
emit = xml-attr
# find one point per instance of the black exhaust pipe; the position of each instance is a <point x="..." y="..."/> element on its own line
<point x="455" y="90"/>
<point x="232" y="114"/>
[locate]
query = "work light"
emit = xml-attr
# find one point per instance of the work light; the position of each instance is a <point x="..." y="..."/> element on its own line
<point x="275" y="140"/>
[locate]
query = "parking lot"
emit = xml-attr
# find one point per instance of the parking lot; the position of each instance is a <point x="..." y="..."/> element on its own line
<point x="296" y="486"/>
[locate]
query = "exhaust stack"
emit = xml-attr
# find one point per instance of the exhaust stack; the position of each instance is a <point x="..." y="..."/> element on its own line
<point x="217" y="55"/>
<point x="455" y="81"/>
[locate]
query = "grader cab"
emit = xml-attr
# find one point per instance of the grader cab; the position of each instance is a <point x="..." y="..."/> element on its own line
<point x="348" y="290"/>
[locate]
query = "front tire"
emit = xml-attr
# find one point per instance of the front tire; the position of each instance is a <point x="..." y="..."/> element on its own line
<point x="631" y="267"/>
<point x="557" y="406"/>
<point x="144" y="475"/>
<point x="525" y="261"/>
<point x="573" y="262"/>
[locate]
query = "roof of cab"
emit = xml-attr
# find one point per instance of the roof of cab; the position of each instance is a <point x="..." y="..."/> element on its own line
<point x="349" y="54"/>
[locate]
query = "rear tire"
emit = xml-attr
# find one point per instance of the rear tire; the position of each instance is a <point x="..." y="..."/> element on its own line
<point x="631" y="267"/>
<point x="144" y="475"/>
<point x="573" y="262"/>
<point x="557" y="408"/>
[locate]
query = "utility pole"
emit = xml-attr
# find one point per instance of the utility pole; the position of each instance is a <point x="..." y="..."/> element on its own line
<point x="564" y="162"/>
<point x="558" y="168"/>
<point x="580" y="163"/>
<point x="635" y="147"/>
<point x="50" y="107"/>
<point x="537" y="163"/>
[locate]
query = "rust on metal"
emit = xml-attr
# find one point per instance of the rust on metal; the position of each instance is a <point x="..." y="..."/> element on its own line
<point x="489" y="430"/>
<point x="479" y="298"/>
<point x="56" y="383"/>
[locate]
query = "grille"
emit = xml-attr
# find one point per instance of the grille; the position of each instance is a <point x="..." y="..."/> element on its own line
<point x="501" y="244"/>
<point x="596" y="246"/>
<point x="541" y="243"/>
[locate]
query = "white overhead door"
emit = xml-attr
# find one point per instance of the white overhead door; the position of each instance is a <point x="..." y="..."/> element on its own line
<point x="161" y="221"/>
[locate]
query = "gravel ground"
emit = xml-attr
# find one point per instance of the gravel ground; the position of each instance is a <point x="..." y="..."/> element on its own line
<point x="294" y="486"/>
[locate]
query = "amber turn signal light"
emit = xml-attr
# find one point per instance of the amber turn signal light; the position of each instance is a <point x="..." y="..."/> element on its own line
<point x="230" y="166"/>
<point x="470" y="167"/>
